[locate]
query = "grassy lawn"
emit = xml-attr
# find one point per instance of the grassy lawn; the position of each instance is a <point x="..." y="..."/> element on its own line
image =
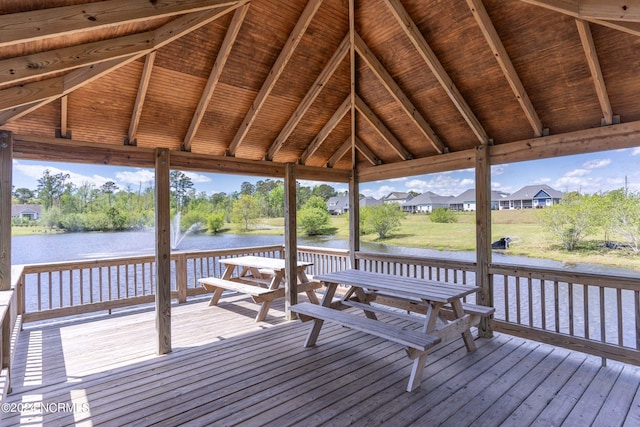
<point x="527" y="238"/>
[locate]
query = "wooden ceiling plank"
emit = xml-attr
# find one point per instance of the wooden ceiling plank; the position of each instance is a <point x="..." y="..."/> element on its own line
<point x="216" y="72"/>
<point x="143" y="87"/>
<point x="392" y="87"/>
<point x="278" y="67"/>
<point x="596" y="72"/>
<point x="367" y="153"/>
<point x="340" y="152"/>
<point x="19" y="27"/>
<point x="309" y="98"/>
<point x="382" y="130"/>
<point x="82" y="76"/>
<point x="571" y="8"/>
<point x="423" y="48"/>
<point x="342" y="110"/>
<point x="500" y="54"/>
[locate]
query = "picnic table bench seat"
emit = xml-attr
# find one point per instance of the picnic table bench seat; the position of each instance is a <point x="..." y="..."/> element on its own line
<point x="416" y="340"/>
<point x="257" y="293"/>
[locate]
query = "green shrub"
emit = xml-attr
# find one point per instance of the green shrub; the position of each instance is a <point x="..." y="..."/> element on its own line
<point x="443" y="215"/>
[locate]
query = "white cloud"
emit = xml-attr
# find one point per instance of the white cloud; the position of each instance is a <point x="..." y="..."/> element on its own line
<point x="36" y="172"/>
<point x="544" y="180"/>
<point x="498" y="170"/>
<point x="577" y="172"/>
<point x="197" y="178"/>
<point x="380" y="192"/>
<point x="597" y="163"/>
<point x="443" y="184"/>
<point x="136" y="177"/>
<point x="636" y="151"/>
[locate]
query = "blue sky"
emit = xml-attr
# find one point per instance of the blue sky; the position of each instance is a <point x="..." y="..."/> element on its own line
<point x="588" y="173"/>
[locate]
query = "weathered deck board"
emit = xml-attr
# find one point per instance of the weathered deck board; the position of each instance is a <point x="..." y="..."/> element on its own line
<point x="225" y="370"/>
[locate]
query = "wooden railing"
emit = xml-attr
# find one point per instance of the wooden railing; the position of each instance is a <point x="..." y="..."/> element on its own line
<point x="10" y="325"/>
<point x="593" y="313"/>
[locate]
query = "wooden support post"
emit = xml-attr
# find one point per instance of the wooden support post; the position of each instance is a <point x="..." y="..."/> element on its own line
<point x="290" y="240"/>
<point x="163" y="252"/>
<point x="483" y="235"/>
<point x="6" y="169"/>
<point x="354" y="219"/>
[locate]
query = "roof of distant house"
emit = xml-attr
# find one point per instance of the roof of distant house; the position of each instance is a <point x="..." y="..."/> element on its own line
<point x="528" y="192"/>
<point x="18" y="209"/>
<point x="430" y="198"/>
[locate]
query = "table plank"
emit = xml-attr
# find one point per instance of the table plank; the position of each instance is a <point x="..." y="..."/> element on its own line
<point x="401" y="286"/>
<point x="261" y="262"/>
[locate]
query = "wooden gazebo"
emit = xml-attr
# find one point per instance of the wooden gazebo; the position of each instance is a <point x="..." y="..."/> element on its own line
<point x="335" y="90"/>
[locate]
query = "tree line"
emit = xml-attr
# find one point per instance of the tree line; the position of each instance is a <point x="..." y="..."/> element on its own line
<point x="87" y="207"/>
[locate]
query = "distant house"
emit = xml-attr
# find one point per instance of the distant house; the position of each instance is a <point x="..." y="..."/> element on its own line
<point x="532" y="197"/>
<point x="31" y="212"/>
<point x="400" y="198"/>
<point x="427" y="202"/>
<point x="338" y="205"/>
<point x="369" y="201"/>
<point x="467" y="201"/>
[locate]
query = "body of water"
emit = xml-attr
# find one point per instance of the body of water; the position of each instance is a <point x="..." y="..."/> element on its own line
<point x="43" y="248"/>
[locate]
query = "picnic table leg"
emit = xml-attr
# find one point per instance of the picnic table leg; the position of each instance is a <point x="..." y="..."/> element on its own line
<point x="311" y="294"/>
<point x="416" y="372"/>
<point x="217" y="293"/>
<point x="317" y="323"/>
<point x="264" y="309"/>
<point x="466" y="335"/>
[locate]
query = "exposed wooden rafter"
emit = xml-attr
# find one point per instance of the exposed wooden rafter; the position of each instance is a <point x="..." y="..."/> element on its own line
<point x="429" y="57"/>
<point x="64" y="116"/>
<point x="392" y="87"/>
<point x="342" y="110"/>
<point x="591" y="14"/>
<point x="596" y="72"/>
<point x="214" y="75"/>
<point x="382" y="130"/>
<point x="278" y="67"/>
<point x="40" y="93"/>
<point x="340" y="153"/>
<point x="58" y="21"/>
<point x="312" y="94"/>
<point x="500" y="54"/>
<point x="367" y="153"/>
<point x="142" y="93"/>
<point x="608" y="10"/>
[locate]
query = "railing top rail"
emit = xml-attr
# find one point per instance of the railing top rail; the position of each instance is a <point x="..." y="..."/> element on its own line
<point x="229" y="251"/>
<point x="330" y="251"/>
<point x="554" y="274"/>
<point x="417" y="260"/>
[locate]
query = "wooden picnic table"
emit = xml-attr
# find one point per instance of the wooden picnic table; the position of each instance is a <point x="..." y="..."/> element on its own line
<point x="445" y="316"/>
<point x="260" y="277"/>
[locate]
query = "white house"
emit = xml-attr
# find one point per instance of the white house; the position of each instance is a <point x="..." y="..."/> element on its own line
<point x="532" y="197"/>
<point x="467" y="201"/>
<point x="427" y="202"/>
<point x="31" y="212"/>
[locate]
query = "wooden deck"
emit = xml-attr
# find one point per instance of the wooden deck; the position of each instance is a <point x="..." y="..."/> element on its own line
<point x="225" y="369"/>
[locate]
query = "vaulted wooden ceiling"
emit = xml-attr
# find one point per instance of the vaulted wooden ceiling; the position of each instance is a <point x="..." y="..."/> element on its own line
<point x="409" y="85"/>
